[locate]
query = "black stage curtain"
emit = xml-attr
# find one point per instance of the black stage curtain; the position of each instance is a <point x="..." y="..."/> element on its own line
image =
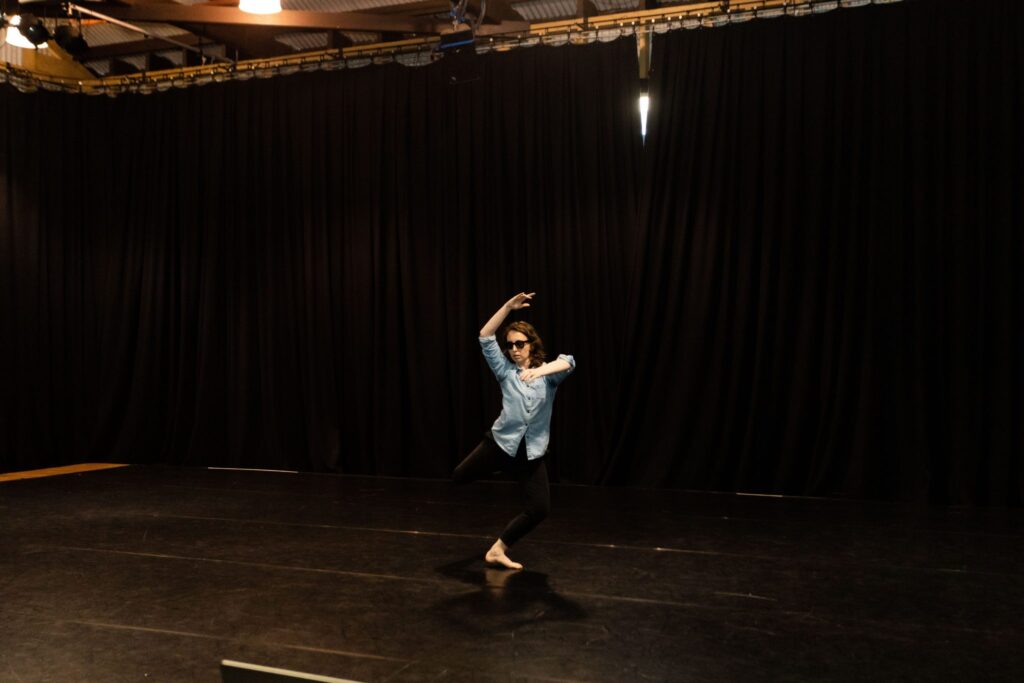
<point x="292" y="273"/>
<point x="806" y="283"/>
<point x="830" y="296"/>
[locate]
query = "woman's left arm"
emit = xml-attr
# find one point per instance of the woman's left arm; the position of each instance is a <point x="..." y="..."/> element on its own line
<point x="560" y="364"/>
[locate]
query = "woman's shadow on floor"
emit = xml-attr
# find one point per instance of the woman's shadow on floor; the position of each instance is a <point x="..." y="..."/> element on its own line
<point x="504" y="598"/>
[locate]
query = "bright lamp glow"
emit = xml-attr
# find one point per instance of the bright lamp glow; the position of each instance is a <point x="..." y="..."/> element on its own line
<point x="17" y="39"/>
<point x="260" y="6"/>
<point x="645" y="104"/>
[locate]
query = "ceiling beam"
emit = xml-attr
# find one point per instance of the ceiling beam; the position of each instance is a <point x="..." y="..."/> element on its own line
<point x="422" y="8"/>
<point x="251" y="42"/>
<point x="286" y="19"/>
<point x="136" y="47"/>
<point x="504" y="27"/>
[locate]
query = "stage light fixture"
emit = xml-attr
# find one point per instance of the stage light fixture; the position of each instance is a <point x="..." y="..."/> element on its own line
<point x="17" y="36"/>
<point x="70" y="41"/>
<point x="34" y="29"/>
<point x="27" y="32"/>
<point x="260" y="6"/>
<point x="14" y="36"/>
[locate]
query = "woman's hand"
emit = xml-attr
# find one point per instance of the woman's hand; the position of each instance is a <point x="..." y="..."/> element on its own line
<point x="552" y="368"/>
<point x="530" y="374"/>
<point x="520" y="300"/>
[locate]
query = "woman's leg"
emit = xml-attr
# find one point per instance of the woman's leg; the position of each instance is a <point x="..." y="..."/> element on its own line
<point x="537" y="493"/>
<point x="483" y="460"/>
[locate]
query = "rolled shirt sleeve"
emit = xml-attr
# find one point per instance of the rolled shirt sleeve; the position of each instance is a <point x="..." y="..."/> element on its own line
<point x="556" y="379"/>
<point x="496" y="360"/>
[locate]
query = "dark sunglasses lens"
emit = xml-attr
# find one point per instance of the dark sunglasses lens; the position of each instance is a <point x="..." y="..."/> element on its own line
<point x="518" y="344"/>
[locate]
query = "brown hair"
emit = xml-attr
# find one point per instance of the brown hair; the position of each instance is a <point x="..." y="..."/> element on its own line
<point x="537" y="353"/>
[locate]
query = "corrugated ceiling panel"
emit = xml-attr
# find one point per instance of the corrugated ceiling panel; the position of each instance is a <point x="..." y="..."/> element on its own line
<point x="100" y="67"/>
<point x="361" y="37"/>
<point x="616" y="5"/>
<point x="545" y="10"/>
<point x="175" y="57"/>
<point x="304" y="42"/>
<point x="337" y="5"/>
<point x="110" y="34"/>
<point x="320" y="40"/>
<point x="138" y="61"/>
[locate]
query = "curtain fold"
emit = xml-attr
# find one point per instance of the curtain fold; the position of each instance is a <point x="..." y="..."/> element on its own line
<point x="829" y="300"/>
<point x="292" y="273"/>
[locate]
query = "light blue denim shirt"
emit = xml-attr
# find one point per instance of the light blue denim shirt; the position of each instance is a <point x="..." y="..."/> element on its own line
<point x="525" y="406"/>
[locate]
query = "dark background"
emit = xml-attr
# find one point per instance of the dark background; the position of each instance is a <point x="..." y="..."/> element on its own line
<point x="806" y="282"/>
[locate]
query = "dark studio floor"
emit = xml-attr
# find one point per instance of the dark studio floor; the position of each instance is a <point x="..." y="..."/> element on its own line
<point x="156" y="574"/>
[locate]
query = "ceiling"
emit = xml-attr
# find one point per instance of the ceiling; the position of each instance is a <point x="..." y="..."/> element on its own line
<point x="181" y="33"/>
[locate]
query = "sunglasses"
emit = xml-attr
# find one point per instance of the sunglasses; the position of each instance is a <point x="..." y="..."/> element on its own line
<point x="517" y="344"/>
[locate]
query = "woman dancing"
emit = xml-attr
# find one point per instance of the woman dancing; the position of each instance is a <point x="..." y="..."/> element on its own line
<point x="518" y="439"/>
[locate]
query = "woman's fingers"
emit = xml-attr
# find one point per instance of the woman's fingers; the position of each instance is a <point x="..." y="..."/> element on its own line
<point x="523" y="298"/>
<point x="520" y="300"/>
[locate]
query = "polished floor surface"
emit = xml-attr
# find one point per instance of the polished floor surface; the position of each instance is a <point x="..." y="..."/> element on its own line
<point x="156" y="574"/>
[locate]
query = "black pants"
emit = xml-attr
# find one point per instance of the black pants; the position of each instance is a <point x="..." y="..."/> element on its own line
<point x="532" y="476"/>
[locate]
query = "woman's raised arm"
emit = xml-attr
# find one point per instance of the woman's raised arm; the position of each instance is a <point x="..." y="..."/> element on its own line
<point x="520" y="300"/>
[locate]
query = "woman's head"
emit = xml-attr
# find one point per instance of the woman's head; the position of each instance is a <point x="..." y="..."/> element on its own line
<point x="520" y="341"/>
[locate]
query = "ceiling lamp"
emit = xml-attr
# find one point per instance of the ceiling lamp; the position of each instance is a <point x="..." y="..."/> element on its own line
<point x="33" y="31"/>
<point x="260" y="6"/>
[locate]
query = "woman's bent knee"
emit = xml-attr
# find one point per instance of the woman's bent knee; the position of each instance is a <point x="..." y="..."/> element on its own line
<point x="538" y="511"/>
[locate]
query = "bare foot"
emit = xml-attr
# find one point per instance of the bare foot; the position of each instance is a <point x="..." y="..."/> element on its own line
<point x="496" y="555"/>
